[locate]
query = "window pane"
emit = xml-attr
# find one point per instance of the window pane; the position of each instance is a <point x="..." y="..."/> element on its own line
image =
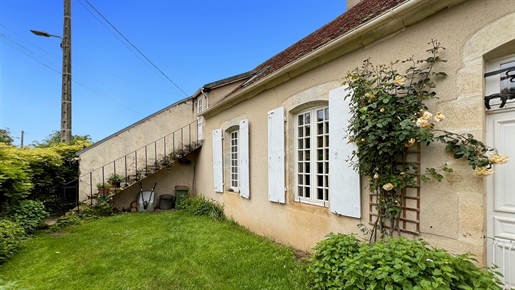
<point x="308" y="118"/>
<point x="308" y="130"/>
<point x="320" y="115"/>
<point x="327" y="114"/>
<point x="301" y="120"/>
<point x="307" y="193"/>
<point x="320" y="128"/>
<point x="320" y="194"/>
<point x="307" y="143"/>
<point x="307" y="167"/>
<point x="507" y="86"/>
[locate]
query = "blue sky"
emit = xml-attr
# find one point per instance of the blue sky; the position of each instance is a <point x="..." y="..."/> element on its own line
<point x="192" y="42"/>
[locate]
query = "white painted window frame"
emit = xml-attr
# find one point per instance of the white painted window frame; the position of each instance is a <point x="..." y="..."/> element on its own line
<point x="314" y="176"/>
<point x="234" y="179"/>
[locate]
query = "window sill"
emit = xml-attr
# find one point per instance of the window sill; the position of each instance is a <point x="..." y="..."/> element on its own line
<point x="310" y="202"/>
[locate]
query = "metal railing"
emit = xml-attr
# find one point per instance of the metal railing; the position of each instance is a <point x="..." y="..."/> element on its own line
<point x="503" y="256"/>
<point x="145" y="160"/>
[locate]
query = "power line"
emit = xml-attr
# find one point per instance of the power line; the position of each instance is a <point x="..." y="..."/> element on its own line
<point x="137" y="49"/>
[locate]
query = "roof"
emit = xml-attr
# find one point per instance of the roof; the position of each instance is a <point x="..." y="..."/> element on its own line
<point x="358" y="15"/>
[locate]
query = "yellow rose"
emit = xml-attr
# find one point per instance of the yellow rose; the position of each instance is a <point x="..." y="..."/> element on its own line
<point x="498" y="159"/>
<point x="388" y="186"/>
<point x="399" y="80"/>
<point x="410" y="142"/>
<point x="439" y="117"/>
<point x="483" y="171"/>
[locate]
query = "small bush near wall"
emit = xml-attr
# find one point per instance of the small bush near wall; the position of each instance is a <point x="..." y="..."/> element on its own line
<point x="343" y="262"/>
<point x="11" y="236"/>
<point x="28" y="213"/>
<point x="199" y="205"/>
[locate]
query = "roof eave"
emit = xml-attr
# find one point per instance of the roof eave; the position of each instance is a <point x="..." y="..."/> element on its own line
<point x="393" y="20"/>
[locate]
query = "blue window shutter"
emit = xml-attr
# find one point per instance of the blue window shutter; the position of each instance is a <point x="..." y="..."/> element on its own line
<point x="344" y="182"/>
<point x="276" y="167"/>
<point x="243" y="159"/>
<point x="217" y="161"/>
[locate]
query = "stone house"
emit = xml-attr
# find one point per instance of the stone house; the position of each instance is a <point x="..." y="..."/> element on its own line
<point x="251" y="159"/>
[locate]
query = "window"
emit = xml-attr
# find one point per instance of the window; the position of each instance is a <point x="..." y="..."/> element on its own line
<point x="199" y="104"/>
<point x="500" y="83"/>
<point x="231" y="158"/>
<point x="234" y="160"/>
<point x="312" y="156"/>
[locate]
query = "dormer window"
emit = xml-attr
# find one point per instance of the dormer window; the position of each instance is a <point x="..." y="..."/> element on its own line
<point x="200" y="108"/>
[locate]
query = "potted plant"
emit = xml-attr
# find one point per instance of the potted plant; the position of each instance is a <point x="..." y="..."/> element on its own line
<point x="115" y="180"/>
<point x="103" y="187"/>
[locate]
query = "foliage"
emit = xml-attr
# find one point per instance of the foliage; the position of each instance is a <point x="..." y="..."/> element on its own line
<point x="28" y="213"/>
<point x="15" y="183"/>
<point x="103" y="185"/>
<point x="115" y="178"/>
<point x="6" y="285"/>
<point x="342" y="262"/>
<point x="37" y="172"/>
<point x="5" y="136"/>
<point x="199" y="205"/>
<point x="104" y="205"/>
<point x="11" y="236"/>
<point x="54" y="139"/>
<point x="388" y="116"/>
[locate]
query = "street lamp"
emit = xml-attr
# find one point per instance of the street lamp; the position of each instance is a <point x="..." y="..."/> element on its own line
<point x="66" y="96"/>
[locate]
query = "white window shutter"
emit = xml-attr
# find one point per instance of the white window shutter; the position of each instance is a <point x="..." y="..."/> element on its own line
<point x="243" y="159"/>
<point x="217" y="161"/>
<point x="276" y="167"/>
<point x="344" y="182"/>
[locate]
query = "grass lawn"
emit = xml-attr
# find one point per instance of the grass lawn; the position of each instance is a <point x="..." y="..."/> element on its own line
<point x="166" y="250"/>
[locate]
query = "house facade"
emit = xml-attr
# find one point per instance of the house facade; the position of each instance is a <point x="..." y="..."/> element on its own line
<point x="274" y="151"/>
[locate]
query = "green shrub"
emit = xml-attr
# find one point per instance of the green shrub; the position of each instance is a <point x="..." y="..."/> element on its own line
<point x="28" y="213"/>
<point x="199" y="205"/>
<point x="104" y="205"/>
<point x="11" y="236"/>
<point x="342" y="262"/>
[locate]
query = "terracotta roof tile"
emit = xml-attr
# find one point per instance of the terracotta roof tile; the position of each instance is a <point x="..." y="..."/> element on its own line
<point x="353" y="18"/>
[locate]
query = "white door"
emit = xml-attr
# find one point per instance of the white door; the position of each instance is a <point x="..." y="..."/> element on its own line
<point x="501" y="195"/>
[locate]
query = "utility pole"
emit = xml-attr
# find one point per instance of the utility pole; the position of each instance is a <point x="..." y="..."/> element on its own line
<point x="66" y="100"/>
<point x="22" y="133"/>
<point x="66" y="92"/>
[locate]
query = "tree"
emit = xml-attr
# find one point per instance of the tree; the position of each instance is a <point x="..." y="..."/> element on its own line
<point x="5" y="136"/>
<point x="55" y="139"/>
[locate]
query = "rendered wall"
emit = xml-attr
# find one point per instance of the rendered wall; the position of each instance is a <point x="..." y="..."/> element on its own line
<point x="452" y="212"/>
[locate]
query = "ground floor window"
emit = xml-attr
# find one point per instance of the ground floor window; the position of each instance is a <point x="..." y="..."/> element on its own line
<point x="234" y="160"/>
<point x="312" y="156"/>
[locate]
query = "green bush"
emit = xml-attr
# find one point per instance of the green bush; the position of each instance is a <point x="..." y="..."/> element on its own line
<point x="104" y="205"/>
<point x="199" y="205"/>
<point x="11" y="236"/>
<point x="28" y="213"/>
<point x="342" y="262"/>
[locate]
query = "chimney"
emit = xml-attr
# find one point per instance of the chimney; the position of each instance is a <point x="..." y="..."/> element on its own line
<point x="352" y="3"/>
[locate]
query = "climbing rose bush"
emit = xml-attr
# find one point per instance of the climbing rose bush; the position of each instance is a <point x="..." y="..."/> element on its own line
<point x="388" y="116"/>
